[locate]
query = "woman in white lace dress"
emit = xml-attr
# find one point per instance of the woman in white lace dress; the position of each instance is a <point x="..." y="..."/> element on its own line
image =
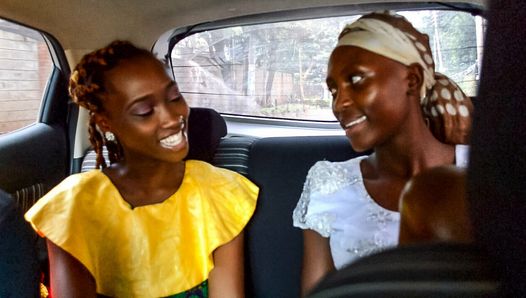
<point x="387" y="97"/>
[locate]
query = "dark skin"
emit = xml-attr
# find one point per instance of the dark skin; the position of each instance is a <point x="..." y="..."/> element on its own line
<point x="434" y="207"/>
<point x="145" y="110"/>
<point x="377" y="102"/>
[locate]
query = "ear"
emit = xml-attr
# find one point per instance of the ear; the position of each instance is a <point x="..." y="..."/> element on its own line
<point x="102" y="122"/>
<point x="415" y="78"/>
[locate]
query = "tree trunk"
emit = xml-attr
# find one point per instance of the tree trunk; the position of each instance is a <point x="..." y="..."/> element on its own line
<point x="268" y="87"/>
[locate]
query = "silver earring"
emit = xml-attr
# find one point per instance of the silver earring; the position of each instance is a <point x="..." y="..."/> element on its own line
<point x="110" y="137"/>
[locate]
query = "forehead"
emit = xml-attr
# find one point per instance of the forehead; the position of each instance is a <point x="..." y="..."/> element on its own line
<point x="346" y="59"/>
<point x="136" y="75"/>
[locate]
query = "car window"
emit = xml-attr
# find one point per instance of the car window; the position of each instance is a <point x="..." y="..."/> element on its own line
<point x="278" y="70"/>
<point x="25" y="67"/>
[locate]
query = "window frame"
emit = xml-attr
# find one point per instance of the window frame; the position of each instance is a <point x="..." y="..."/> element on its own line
<point x="165" y="44"/>
<point x="48" y="109"/>
<point x="56" y="111"/>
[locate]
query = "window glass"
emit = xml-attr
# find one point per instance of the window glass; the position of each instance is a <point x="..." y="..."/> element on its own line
<point x="25" y="66"/>
<point x="278" y="70"/>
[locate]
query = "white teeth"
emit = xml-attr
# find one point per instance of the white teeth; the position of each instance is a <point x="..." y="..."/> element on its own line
<point x="172" y="140"/>
<point x="357" y="121"/>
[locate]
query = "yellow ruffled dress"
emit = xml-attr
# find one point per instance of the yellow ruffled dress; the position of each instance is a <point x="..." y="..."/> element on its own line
<point x="149" y="251"/>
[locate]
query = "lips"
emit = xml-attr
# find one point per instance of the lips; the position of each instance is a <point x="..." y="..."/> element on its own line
<point x="173" y="140"/>
<point x="355" y="121"/>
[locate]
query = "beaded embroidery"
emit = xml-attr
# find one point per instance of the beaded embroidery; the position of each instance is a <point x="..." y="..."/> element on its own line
<point x="328" y="179"/>
<point x="336" y="204"/>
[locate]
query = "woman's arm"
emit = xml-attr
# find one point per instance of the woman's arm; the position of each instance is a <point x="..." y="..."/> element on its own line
<point x="227" y="277"/>
<point x="317" y="260"/>
<point x="69" y="278"/>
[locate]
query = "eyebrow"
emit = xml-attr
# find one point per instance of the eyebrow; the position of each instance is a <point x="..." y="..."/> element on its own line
<point x="170" y="85"/>
<point x="148" y="96"/>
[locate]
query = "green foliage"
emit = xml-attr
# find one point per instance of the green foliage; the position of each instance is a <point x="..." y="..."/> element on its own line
<point x="269" y="63"/>
<point x="453" y="42"/>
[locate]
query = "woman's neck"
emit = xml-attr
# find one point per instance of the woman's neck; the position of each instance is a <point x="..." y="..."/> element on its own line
<point x="142" y="183"/>
<point x="410" y="153"/>
<point x="388" y="169"/>
<point x="155" y="172"/>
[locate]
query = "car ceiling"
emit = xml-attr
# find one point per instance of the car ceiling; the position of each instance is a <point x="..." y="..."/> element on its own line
<point x="82" y="25"/>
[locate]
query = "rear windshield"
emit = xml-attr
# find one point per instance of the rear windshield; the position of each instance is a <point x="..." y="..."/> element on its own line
<point x="278" y="70"/>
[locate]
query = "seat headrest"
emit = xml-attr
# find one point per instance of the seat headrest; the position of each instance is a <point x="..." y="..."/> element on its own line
<point x="206" y="127"/>
<point x="6" y="204"/>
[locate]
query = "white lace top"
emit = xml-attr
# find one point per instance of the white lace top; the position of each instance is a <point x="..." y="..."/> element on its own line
<point x="336" y="204"/>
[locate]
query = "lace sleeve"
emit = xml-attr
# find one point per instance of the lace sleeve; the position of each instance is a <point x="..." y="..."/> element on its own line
<point x="313" y="210"/>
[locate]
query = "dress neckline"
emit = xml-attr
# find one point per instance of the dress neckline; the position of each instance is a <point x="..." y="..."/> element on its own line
<point x="126" y="205"/>
<point x="459" y="161"/>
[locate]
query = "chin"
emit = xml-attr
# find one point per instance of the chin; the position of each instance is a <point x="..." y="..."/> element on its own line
<point x="359" y="147"/>
<point x="184" y="153"/>
<point x="180" y="155"/>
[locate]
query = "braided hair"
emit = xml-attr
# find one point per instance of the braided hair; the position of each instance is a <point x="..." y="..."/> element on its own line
<point x="87" y="89"/>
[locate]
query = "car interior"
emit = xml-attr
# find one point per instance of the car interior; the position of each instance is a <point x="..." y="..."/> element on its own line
<point x="252" y="72"/>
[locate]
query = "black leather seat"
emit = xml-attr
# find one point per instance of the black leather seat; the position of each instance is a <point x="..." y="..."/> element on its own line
<point x="274" y="248"/>
<point x="19" y="265"/>
<point x="423" y="270"/>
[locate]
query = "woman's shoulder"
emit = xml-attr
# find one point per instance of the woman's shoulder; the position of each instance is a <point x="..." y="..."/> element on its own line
<point x="330" y="187"/>
<point x="327" y="177"/>
<point x="77" y="191"/>
<point x="84" y="179"/>
<point x="75" y="185"/>
<point x="205" y="171"/>
<point x="75" y="195"/>
<point x="218" y="184"/>
<point x="330" y="167"/>
<point x="224" y="198"/>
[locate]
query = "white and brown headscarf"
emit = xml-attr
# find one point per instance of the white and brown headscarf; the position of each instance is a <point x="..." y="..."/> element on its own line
<point x="444" y="104"/>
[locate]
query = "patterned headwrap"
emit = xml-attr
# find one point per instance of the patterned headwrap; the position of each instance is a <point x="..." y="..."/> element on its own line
<point x="443" y="103"/>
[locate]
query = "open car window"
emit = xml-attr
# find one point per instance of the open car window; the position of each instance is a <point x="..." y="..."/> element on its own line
<point x="277" y="70"/>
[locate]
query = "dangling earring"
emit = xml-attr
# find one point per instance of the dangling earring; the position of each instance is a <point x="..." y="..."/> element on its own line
<point x="182" y="120"/>
<point x="110" y="137"/>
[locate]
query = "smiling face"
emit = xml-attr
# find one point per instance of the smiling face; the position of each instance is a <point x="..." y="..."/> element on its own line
<point x="370" y="95"/>
<point x="145" y="110"/>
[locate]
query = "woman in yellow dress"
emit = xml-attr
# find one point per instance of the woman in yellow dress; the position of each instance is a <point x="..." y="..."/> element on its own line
<point x="150" y="224"/>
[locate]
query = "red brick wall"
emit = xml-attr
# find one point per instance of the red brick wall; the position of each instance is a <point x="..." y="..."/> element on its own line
<point x="25" y="66"/>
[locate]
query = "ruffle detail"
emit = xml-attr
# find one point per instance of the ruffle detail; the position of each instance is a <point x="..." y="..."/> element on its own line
<point x="150" y="251"/>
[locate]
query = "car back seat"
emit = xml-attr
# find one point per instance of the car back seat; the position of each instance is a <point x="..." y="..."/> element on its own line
<point x="19" y="262"/>
<point x="279" y="166"/>
<point x="274" y="248"/>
